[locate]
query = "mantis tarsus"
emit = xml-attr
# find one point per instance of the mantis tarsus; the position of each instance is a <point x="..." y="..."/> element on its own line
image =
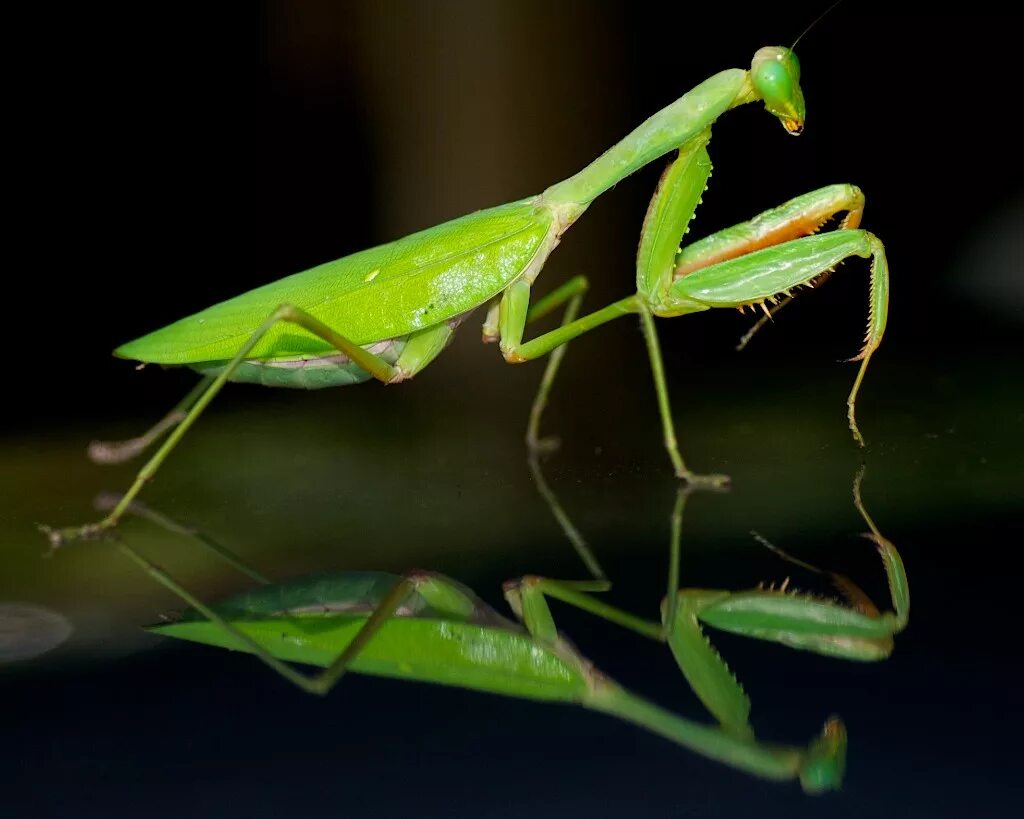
<point x="387" y="312"/>
<point x="428" y="628"/>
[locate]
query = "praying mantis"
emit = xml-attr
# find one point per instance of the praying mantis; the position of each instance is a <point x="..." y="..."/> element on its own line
<point x="386" y="313"/>
<point x="425" y="627"/>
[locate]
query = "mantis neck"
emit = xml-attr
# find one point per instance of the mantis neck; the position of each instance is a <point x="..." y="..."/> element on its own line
<point x="667" y="130"/>
<point x="768" y="762"/>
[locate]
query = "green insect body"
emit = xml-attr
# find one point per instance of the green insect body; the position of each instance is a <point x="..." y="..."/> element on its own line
<point x="312" y="622"/>
<point x="382" y="295"/>
<point x="387" y="312"/>
<point x="475" y="648"/>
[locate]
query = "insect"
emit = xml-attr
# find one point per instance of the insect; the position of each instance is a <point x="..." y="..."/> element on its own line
<point x="428" y="628"/>
<point x="387" y="312"/>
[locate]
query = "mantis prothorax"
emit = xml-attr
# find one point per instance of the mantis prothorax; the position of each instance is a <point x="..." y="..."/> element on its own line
<point x="387" y="312"/>
<point x="428" y="628"/>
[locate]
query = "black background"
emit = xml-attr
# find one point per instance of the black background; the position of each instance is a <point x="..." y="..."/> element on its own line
<point x="164" y="159"/>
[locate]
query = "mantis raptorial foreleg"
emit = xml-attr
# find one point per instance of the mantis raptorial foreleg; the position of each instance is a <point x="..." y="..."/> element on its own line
<point x="800" y="216"/>
<point x="775" y="271"/>
<point x="858" y="631"/>
<point x="760" y="260"/>
<point x="819" y="766"/>
<point x="753" y="263"/>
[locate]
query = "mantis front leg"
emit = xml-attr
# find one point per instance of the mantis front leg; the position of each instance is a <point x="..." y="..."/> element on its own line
<point x="856" y="630"/>
<point x="753" y="263"/>
<point x="770" y="256"/>
<point x="819" y="766"/>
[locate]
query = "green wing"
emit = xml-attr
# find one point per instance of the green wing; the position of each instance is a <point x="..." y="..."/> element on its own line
<point x="312" y="620"/>
<point x="352" y="592"/>
<point x="384" y="292"/>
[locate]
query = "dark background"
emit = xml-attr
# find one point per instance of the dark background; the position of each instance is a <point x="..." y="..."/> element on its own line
<point x="169" y="160"/>
<point x="165" y="158"/>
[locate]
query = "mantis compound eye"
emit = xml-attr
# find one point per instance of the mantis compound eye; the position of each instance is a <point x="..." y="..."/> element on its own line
<point x="775" y="73"/>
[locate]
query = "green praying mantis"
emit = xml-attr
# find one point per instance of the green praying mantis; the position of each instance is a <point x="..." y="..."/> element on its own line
<point x="387" y="312"/>
<point x="428" y="628"/>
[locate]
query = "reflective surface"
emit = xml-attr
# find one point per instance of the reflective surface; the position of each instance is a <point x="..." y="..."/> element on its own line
<point x="281" y="481"/>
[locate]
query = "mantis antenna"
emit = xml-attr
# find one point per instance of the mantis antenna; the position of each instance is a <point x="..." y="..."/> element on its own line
<point x="814" y="22"/>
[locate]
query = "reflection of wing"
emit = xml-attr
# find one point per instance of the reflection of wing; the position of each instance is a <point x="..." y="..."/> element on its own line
<point x="376" y="294"/>
<point x="348" y="592"/>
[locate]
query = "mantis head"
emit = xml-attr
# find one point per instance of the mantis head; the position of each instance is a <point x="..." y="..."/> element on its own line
<point x="775" y="73"/>
<point x="825" y="762"/>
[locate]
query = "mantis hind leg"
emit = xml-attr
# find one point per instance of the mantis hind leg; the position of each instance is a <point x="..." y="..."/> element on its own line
<point x="116" y="452"/>
<point x="419" y="351"/>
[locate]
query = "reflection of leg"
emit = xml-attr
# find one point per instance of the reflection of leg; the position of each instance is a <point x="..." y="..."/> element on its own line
<point x="573" y="534"/>
<point x="527" y="596"/>
<point x="704" y="669"/>
<point x="895" y="573"/>
<point x="106" y="501"/>
<point x="674" y="551"/>
<point x="571" y="292"/>
<point x="115" y="452"/>
<point x="318" y="684"/>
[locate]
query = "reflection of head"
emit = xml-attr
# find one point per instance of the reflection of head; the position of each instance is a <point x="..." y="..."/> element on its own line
<point x="27" y="631"/>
